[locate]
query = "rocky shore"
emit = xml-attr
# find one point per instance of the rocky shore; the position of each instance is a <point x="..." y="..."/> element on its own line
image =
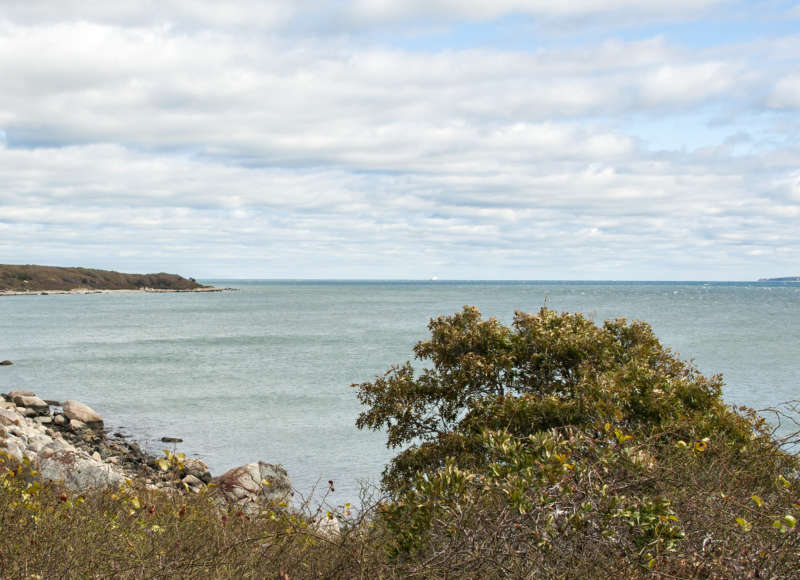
<point x="67" y="442"/>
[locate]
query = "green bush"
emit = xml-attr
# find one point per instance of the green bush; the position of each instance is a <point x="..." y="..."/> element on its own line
<point x="558" y="447"/>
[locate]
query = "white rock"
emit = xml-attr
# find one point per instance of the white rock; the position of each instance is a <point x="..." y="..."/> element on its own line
<point x="37" y="443"/>
<point x="77" y="471"/>
<point x="14" y="448"/>
<point x="8" y="417"/>
<point x="326" y="527"/>
<point x="255" y="484"/>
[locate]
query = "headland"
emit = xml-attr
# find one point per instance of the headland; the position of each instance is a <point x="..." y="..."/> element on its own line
<point x="21" y="280"/>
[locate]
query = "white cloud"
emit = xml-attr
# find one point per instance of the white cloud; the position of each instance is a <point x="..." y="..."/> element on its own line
<point x="372" y="11"/>
<point x="786" y="94"/>
<point x="176" y="131"/>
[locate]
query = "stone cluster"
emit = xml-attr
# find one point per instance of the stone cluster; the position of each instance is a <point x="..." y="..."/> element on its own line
<point x="68" y="442"/>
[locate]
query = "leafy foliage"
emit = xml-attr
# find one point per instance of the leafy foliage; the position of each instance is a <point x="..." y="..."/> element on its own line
<point x="560" y="447"/>
<point x="548" y="370"/>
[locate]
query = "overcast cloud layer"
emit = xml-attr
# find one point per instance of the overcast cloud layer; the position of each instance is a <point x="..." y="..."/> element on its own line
<point x="519" y="139"/>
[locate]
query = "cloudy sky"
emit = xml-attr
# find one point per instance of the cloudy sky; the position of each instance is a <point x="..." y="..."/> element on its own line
<point x="513" y="139"/>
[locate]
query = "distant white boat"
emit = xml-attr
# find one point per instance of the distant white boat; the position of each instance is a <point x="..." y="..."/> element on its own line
<point x="434" y="278"/>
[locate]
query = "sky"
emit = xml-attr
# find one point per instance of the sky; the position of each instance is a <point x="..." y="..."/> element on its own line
<point x="462" y="139"/>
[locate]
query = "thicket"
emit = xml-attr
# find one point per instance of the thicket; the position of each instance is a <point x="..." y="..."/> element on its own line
<point x="553" y="448"/>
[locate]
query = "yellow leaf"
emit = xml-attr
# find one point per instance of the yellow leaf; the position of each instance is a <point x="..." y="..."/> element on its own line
<point x="758" y="500"/>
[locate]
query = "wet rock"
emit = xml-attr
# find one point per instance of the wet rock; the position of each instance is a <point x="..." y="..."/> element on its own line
<point x="251" y="486"/>
<point x="171" y="440"/>
<point x="5" y="363"/>
<point x="78" y="411"/>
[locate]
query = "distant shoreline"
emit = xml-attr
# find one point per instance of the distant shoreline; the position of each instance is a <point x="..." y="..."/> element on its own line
<point x="27" y="279"/>
<point x="123" y="291"/>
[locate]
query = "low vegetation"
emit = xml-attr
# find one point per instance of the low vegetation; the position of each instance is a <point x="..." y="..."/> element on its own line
<point x="554" y="448"/>
<point x="31" y="278"/>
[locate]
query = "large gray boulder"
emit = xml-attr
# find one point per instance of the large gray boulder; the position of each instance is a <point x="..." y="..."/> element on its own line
<point x="255" y="485"/>
<point x="74" y="410"/>
<point x="76" y="470"/>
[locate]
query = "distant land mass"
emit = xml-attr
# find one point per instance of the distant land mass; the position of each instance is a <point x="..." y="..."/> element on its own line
<point x="784" y="279"/>
<point x="32" y="278"/>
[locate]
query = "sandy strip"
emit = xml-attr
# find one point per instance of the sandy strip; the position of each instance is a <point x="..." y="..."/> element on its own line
<point x="95" y="291"/>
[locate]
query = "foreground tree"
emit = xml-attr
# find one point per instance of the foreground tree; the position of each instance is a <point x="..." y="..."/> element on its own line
<point x="548" y="370"/>
<point x="557" y="444"/>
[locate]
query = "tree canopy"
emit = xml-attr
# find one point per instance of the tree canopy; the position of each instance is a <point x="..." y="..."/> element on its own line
<point x="547" y="370"/>
<point x="557" y="447"/>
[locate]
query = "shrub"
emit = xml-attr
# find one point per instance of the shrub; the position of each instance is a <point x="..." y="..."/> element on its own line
<point x="558" y="447"/>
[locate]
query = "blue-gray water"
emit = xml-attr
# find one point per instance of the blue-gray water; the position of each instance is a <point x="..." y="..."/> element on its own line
<point x="264" y="373"/>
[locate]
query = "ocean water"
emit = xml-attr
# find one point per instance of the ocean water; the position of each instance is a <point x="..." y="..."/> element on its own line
<point x="265" y="372"/>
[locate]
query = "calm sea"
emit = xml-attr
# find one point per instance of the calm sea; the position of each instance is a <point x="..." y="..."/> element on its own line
<point x="264" y="373"/>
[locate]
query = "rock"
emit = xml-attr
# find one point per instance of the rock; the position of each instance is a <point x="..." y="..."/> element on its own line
<point x="60" y="420"/>
<point x="77" y="426"/>
<point x="171" y="440"/>
<point x="8" y="417"/>
<point x="77" y="471"/>
<point x="52" y="403"/>
<point x="5" y="363"/>
<point x="326" y="527"/>
<point x="196" y="468"/>
<point x="32" y="402"/>
<point x="191" y="482"/>
<point x="80" y="412"/>
<point x="7" y="405"/>
<point x="250" y="486"/>
<point x="26" y="412"/>
<point x="20" y="393"/>
<point x="43" y="420"/>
